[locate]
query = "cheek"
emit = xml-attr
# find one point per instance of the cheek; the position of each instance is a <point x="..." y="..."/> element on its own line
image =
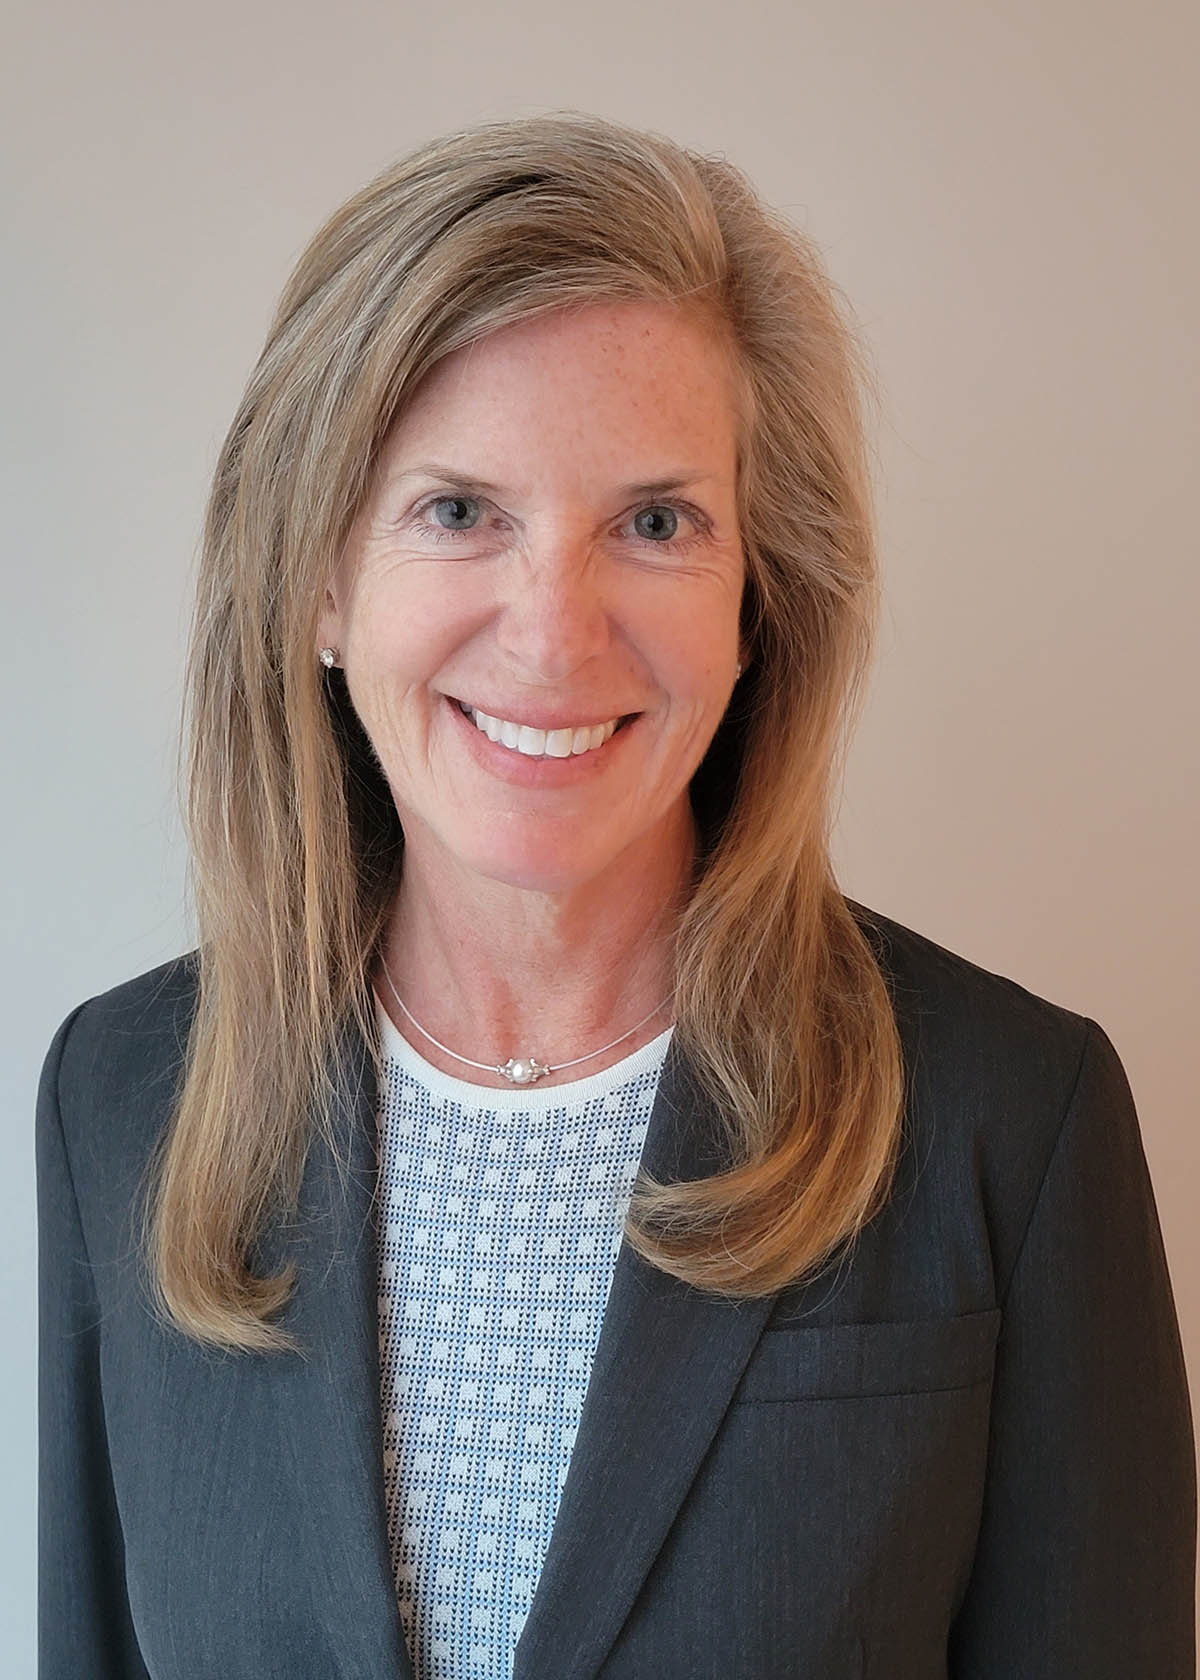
<point x="695" y="669"/>
<point x="401" y="634"/>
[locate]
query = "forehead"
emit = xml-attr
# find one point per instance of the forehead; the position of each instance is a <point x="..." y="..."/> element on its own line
<point x="605" y="382"/>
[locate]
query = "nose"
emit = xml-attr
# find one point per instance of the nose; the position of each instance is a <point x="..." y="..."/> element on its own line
<point x="554" y="618"/>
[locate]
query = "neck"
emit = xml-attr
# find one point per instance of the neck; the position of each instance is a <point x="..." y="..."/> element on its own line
<point x="493" y="970"/>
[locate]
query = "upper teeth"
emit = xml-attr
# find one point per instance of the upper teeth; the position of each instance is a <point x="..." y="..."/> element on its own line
<point x="534" y="743"/>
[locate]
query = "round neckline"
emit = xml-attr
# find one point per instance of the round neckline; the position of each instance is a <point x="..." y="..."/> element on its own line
<point x="523" y="1098"/>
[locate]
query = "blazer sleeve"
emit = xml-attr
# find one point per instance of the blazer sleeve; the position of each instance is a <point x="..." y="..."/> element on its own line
<point x="1086" y="1555"/>
<point x="83" y="1617"/>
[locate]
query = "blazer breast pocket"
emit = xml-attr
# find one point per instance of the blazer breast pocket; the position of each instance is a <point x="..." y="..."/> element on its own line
<point x="894" y="1356"/>
<point x="850" y="1462"/>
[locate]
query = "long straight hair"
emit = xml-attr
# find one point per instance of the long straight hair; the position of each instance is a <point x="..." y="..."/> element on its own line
<point x="782" y="1009"/>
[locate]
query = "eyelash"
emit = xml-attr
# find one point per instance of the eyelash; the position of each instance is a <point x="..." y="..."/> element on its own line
<point x="673" y="545"/>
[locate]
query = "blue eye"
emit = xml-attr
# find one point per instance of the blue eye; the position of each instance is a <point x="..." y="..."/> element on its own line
<point x="657" y="510"/>
<point x="439" y="529"/>
<point x="440" y="532"/>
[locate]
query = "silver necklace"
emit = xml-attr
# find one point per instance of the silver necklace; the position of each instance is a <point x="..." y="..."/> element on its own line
<point x="519" y="1070"/>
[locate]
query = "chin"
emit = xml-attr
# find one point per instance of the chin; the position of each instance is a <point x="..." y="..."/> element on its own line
<point x="534" y="868"/>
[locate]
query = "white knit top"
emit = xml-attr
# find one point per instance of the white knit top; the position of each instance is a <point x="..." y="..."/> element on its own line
<point x="500" y="1228"/>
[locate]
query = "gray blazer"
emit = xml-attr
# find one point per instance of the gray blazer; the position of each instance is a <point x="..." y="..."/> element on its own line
<point x="965" y="1450"/>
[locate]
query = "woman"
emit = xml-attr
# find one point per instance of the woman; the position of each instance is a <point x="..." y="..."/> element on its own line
<point x="537" y="595"/>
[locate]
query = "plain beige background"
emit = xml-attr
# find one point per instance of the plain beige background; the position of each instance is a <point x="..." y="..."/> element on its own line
<point x="1005" y="192"/>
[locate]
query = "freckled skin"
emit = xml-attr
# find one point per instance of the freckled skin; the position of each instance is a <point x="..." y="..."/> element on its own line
<point x="560" y="592"/>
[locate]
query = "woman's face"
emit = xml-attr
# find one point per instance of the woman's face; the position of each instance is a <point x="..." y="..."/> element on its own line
<point x="550" y="538"/>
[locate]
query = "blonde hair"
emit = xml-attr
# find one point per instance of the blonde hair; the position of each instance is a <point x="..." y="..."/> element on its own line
<point x="782" y="1010"/>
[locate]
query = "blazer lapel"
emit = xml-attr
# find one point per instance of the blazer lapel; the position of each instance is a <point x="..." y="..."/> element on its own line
<point x="667" y="1362"/>
<point x="327" y="1403"/>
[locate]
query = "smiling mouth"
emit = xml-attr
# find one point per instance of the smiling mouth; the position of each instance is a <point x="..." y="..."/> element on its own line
<point x="531" y="742"/>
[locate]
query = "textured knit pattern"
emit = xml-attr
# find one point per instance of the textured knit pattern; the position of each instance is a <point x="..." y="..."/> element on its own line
<point x="501" y="1225"/>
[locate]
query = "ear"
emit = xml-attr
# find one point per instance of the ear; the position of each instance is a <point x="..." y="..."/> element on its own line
<point x="329" y="625"/>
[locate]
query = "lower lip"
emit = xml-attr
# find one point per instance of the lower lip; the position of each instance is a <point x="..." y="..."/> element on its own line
<point x="516" y="767"/>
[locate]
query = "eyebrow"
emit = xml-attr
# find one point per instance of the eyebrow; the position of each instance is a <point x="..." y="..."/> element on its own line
<point x="467" y="481"/>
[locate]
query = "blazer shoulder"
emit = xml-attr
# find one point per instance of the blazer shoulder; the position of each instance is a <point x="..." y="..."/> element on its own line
<point x="156" y="988"/>
<point x="994" y="1073"/>
<point x="978" y="1042"/>
<point x="114" y="1066"/>
<point x="123" y="1021"/>
<point x="933" y="983"/>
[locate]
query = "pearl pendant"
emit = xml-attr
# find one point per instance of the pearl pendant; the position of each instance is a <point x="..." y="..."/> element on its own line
<point x="523" y="1070"/>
